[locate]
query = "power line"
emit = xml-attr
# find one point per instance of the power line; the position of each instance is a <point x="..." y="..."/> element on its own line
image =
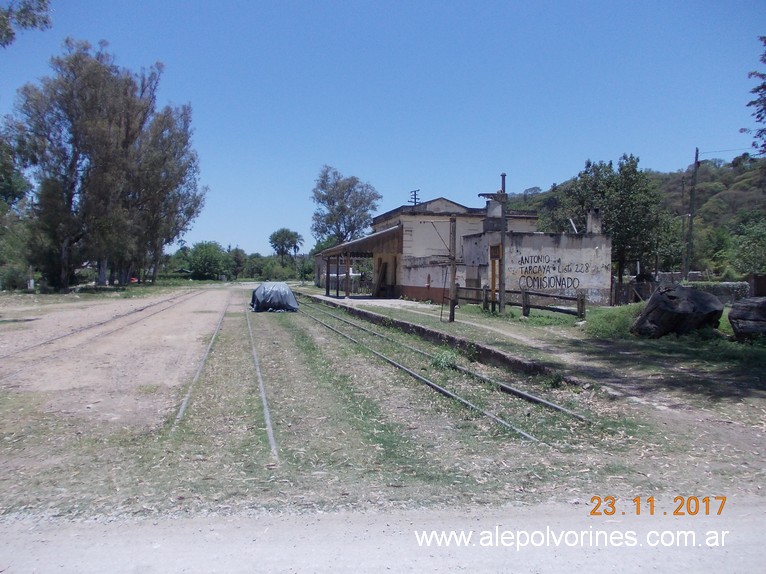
<point x="725" y="150"/>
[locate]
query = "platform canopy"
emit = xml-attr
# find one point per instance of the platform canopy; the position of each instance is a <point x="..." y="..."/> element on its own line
<point x="386" y="241"/>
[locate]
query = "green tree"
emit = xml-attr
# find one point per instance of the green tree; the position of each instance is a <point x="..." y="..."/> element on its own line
<point x="590" y="190"/>
<point x="669" y="246"/>
<point x="750" y="247"/>
<point x="283" y="241"/>
<point x="344" y="206"/>
<point x="715" y="246"/>
<point x="273" y="270"/>
<point x="14" y="238"/>
<point x="180" y="259"/>
<point x="323" y="244"/>
<point x="254" y="265"/>
<point x="305" y="267"/>
<point x="207" y="260"/>
<point x="239" y="260"/>
<point x="632" y="215"/>
<point x="118" y="180"/>
<point x="14" y="219"/>
<point x="13" y="185"/>
<point x="120" y="107"/>
<point x="631" y="209"/>
<point x="51" y="139"/>
<point x="759" y="105"/>
<point x="22" y="15"/>
<point x="165" y="182"/>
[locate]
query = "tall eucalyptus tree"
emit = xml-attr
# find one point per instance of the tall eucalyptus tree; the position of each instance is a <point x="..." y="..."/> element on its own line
<point x="117" y="179"/>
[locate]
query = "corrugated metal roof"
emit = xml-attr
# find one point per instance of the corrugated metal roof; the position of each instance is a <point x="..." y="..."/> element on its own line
<point x="364" y="246"/>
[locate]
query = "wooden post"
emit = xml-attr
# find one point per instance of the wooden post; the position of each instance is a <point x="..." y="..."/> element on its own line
<point x="337" y="275"/>
<point x="581" y="304"/>
<point x="485" y="298"/>
<point x="453" y="267"/>
<point x="327" y="277"/>
<point x="347" y="258"/>
<point x="493" y="279"/>
<point x="524" y="303"/>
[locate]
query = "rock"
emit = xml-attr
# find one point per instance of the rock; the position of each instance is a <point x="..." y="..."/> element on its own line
<point x="677" y="309"/>
<point x="748" y="318"/>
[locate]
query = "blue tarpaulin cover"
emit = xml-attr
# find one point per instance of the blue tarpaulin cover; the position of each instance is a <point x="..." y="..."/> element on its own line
<point x="273" y="296"/>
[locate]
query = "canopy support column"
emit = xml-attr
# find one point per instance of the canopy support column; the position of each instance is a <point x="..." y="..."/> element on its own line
<point x="337" y="275"/>
<point x="347" y="258"/>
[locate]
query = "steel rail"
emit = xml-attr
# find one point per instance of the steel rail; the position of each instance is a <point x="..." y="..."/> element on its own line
<point x="429" y="383"/>
<point x="101" y="323"/>
<point x="500" y="385"/>
<point x="261" y="386"/>
<point x="198" y="372"/>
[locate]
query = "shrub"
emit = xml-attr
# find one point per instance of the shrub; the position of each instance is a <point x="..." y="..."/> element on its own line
<point x="13" y="277"/>
<point x="445" y="359"/>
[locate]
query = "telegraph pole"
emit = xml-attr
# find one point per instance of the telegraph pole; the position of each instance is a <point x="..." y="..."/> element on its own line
<point x="684" y="212"/>
<point x="453" y="267"/>
<point x="503" y="198"/>
<point x="692" y="197"/>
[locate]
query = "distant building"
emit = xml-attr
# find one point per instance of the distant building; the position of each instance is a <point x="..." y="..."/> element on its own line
<point x="409" y="248"/>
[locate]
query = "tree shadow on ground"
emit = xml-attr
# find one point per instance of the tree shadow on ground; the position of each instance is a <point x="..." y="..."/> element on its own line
<point x="716" y="369"/>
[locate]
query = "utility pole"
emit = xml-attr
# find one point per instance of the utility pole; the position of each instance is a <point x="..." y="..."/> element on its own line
<point x="692" y="197"/>
<point x="503" y="198"/>
<point x="684" y="215"/>
<point x="453" y="267"/>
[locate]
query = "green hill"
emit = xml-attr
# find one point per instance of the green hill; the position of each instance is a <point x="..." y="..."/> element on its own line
<point x="729" y="197"/>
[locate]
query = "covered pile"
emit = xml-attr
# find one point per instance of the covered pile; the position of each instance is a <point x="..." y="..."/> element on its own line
<point x="273" y="297"/>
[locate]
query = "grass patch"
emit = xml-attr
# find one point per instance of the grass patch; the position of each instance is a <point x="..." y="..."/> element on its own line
<point x="725" y="326"/>
<point x="365" y="415"/>
<point x="555" y="381"/>
<point x="612" y="322"/>
<point x="541" y="318"/>
<point x="537" y="317"/>
<point x="445" y="359"/>
<point x="707" y="345"/>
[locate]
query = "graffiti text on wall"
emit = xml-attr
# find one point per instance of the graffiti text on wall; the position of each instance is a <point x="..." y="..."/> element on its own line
<point x="536" y="272"/>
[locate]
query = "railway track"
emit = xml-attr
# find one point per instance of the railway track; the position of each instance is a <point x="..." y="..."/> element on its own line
<point x="498" y="401"/>
<point x="187" y="399"/>
<point x="89" y="332"/>
<point x="75" y="340"/>
<point x="173" y="300"/>
<point x="203" y="361"/>
<point x="261" y="385"/>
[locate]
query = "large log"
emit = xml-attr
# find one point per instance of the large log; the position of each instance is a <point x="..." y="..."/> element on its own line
<point x="677" y="309"/>
<point x="748" y="318"/>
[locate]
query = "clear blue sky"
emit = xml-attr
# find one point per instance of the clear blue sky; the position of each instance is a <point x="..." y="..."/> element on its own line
<point x="440" y="96"/>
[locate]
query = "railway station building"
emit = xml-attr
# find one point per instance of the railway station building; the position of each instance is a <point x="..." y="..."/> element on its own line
<point x="410" y="252"/>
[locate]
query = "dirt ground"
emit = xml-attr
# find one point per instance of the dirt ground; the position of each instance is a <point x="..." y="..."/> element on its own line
<point x="97" y="474"/>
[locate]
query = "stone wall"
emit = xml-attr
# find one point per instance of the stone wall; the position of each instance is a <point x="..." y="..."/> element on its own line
<point x="727" y="292"/>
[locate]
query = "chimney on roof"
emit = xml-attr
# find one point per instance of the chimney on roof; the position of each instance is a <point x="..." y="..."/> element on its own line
<point x="593" y="224"/>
